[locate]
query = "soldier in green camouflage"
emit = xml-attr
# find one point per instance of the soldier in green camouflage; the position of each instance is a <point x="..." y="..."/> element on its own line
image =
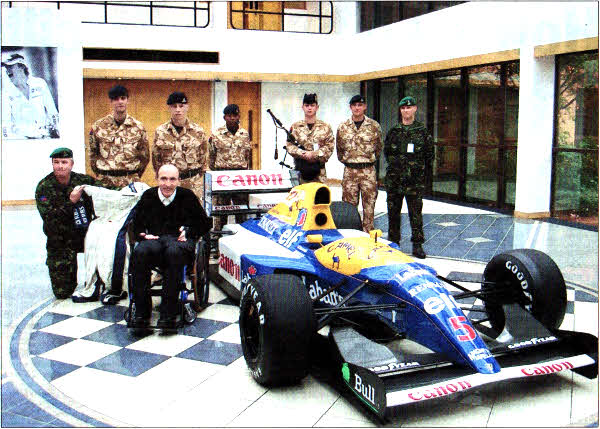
<point x="358" y="143"/>
<point x="409" y="152"/>
<point x="65" y="212"/>
<point x="314" y="135"/>
<point x="182" y="143"/>
<point x="118" y="144"/>
<point x="230" y="149"/>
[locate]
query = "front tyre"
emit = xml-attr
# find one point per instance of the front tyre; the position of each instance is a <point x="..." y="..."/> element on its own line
<point x="530" y="278"/>
<point x="277" y="323"/>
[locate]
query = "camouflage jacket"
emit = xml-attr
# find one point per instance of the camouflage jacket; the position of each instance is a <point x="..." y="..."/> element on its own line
<point x="115" y="147"/>
<point x="228" y="151"/>
<point x="409" y="152"/>
<point x="319" y="139"/>
<point x="187" y="151"/>
<point x="357" y="145"/>
<point x="56" y="209"/>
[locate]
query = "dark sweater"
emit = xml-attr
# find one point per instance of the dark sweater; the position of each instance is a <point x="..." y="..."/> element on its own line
<point x="153" y="217"/>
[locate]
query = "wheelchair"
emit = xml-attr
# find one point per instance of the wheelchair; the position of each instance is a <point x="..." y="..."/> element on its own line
<point x="194" y="281"/>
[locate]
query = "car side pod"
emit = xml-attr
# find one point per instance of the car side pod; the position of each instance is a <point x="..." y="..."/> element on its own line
<point x="381" y="379"/>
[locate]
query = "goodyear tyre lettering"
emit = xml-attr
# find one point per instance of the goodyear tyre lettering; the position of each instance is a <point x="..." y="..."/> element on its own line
<point x="514" y="268"/>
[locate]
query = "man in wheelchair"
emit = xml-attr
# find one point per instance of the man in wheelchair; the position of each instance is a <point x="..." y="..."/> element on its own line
<point x="168" y="221"/>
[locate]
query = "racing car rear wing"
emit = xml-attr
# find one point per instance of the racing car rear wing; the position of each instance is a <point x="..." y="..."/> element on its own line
<point x="246" y="182"/>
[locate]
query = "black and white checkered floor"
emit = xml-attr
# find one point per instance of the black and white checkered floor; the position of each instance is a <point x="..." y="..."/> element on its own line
<point x="82" y="367"/>
<point x="67" y="364"/>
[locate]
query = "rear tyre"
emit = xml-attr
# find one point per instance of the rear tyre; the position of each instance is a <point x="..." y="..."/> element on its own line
<point x="277" y="324"/>
<point x="530" y="278"/>
<point x="345" y="215"/>
<point x="200" y="278"/>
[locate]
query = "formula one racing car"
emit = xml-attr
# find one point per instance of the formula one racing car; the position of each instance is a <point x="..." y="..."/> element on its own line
<point x="306" y="268"/>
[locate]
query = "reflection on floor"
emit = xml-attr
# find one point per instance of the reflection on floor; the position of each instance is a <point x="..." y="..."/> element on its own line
<point x="67" y="364"/>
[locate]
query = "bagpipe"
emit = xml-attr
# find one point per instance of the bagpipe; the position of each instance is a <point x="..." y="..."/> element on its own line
<point x="308" y="170"/>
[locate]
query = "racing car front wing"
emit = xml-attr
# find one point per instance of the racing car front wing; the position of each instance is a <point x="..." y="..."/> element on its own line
<point x="382" y="378"/>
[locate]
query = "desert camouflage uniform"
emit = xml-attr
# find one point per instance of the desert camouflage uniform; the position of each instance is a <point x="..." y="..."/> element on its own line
<point x="64" y="240"/>
<point x="319" y="138"/>
<point x="188" y="151"/>
<point x="358" y="149"/>
<point x="406" y="176"/>
<point x="229" y="152"/>
<point x="119" y="154"/>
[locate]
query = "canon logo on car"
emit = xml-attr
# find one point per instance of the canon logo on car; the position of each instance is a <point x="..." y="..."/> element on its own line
<point x="435" y="391"/>
<point x="547" y="369"/>
<point x="229" y="266"/>
<point x="249" y="180"/>
<point x="514" y="268"/>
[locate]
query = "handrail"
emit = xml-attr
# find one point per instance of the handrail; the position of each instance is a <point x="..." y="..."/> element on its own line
<point x="320" y="15"/>
<point x="152" y="11"/>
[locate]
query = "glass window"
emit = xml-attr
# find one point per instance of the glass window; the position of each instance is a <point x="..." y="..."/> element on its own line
<point x="374" y="14"/>
<point x="575" y="169"/>
<point x="511" y="122"/>
<point x="388" y="113"/>
<point x="577" y="104"/>
<point x="447" y="130"/>
<point x="485" y="132"/>
<point x="416" y="86"/>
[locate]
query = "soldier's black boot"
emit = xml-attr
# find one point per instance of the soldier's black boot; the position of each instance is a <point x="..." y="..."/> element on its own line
<point x="418" y="251"/>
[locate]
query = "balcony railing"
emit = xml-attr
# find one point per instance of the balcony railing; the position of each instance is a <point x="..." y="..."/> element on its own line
<point x="158" y="13"/>
<point x="312" y="17"/>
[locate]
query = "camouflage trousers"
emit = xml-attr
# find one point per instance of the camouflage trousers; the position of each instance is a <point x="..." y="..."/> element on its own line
<point x="361" y="183"/>
<point x="119" y="182"/>
<point x="195" y="184"/>
<point x="62" y="267"/>
<point x="227" y="199"/>
<point x="415" y="215"/>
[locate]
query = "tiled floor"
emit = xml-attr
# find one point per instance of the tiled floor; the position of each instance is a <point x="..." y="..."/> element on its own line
<point x="66" y="364"/>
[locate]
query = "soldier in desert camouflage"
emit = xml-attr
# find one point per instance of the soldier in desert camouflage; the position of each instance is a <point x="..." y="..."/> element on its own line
<point x="358" y="144"/>
<point x="182" y="143"/>
<point x="118" y="144"/>
<point x="314" y="135"/>
<point x="409" y="152"/>
<point x="230" y="149"/>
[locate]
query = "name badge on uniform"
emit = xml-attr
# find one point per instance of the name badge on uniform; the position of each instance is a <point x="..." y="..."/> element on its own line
<point x="410" y="148"/>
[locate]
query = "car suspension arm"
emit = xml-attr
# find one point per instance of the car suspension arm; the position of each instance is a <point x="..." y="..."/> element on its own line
<point x="356" y="308"/>
<point x="330" y="312"/>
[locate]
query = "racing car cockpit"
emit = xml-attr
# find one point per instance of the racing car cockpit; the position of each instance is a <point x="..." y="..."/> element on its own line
<point x="306" y="206"/>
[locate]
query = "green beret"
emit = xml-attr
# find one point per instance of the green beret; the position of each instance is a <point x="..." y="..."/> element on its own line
<point x="408" y="101"/>
<point x="62" y="152"/>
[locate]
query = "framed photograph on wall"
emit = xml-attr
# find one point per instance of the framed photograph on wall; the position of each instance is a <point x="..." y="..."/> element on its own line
<point x="29" y="93"/>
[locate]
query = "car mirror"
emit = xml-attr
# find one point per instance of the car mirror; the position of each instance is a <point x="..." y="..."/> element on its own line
<point x="314" y="238"/>
<point x="375" y="234"/>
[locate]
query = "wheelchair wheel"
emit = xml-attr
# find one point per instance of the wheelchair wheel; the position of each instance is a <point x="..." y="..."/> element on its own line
<point x="200" y="280"/>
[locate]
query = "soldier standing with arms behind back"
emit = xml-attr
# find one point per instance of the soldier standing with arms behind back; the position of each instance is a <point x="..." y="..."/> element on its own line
<point x="358" y="143"/>
<point x="118" y="144"/>
<point x="315" y="136"/>
<point x="409" y="152"/>
<point x="230" y="149"/>
<point x="182" y="143"/>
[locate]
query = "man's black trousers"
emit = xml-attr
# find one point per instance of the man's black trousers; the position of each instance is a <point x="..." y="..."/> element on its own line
<point x="171" y="256"/>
